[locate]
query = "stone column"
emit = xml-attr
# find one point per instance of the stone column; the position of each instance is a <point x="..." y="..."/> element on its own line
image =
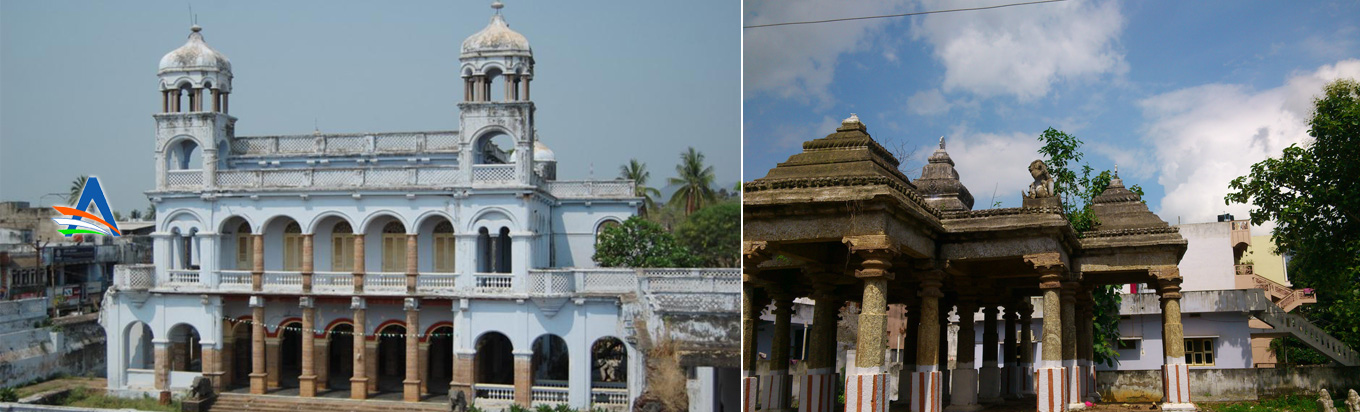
<point x="424" y="349"/>
<point x="257" y="369"/>
<point x="1175" y="373"/>
<point x="271" y="360"/>
<point x="509" y="87"/>
<point x="1072" y="380"/>
<point x="777" y="388"/>
<point x="908" y="351"/>
<point x="162" y="369"/>
<point x="411" y="261"/>
<point x="753" y="254"/>
<point x="867" y="390"/>
<point x="525" y="85"/>
<point x="1084" y="342"/>
<point x="371" y="361"/>
<point x="1026" y="360"/>
<point x="1050" y="376"/>
<point x="307" y="379"/>
<point x="257" y="264"/>
<point x="212" y="364"/>
<point x="927" y="381"/>
<point x="308" y="255"/>
<point x="963" y="395"/>
<point x="322" y="357"/>
<point x="989" y="376"/>
<point x="225" y="107"/>
<point x="358" y="384"/>
<point x="411" y="386"/>
<point x="523" y="378"/>
<point x="943" y="346"/>
<point x="819" y="390"/>
<point x="1010" y="371"/>
<point x="358" y="267"/>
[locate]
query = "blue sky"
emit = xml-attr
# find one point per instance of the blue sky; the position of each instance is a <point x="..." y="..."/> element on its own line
<point x="613" y="81"/>
<point x="1183" y="96"/>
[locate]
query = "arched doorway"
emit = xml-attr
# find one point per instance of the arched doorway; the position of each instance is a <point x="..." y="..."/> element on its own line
<point x="391" y="358"/>
<point x="440" y="360"/>
<point x="185" y="353"/>
<point x="240" y="355"/>
<point x="494" y="367"/>
<point x="137" y="348"/>
<point x="608" y="372"/>
<point x="290" y="354"/>
<point x="550" y="369"/>
<point x="341" y="356"/>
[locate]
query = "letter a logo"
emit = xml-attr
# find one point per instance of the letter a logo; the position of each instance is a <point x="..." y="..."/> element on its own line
<point x="91" y="193"/>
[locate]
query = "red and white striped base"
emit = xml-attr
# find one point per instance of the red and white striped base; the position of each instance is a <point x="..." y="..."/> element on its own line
<point x="1176" y="387"/>
<point x="1049" y="384"/>
<point x="819" y="391"/>
<point x="748" y="393"/>
<point x="926" y="388"/>
<point x="867" y="393"/>
<point x="1075" y="380"/>
<point x="775" y="391"/>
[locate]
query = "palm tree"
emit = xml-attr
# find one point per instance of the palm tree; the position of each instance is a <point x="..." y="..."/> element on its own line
<point x="76" y="186"/>
<point x="695" y="180"/>
<point x="637" y="172"/>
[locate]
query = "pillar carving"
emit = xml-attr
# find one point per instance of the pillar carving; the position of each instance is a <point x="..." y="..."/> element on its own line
<point x="1072" y="386"/>
<point x="927" y="382"/>
<point x="989" y="379"/>
<point x="963" y="394"/>
<point x="1010" y="387"/>
<point x="1085" y="343"/>
<point x="778" y="385"/>
<point x="753" y="254"/>
<point x="821" y="361"/>
<point x="868" y="388"/>
<point x="1026" y="347"/>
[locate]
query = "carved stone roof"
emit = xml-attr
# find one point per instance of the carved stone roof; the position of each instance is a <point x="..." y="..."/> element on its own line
<point x="1122" y="212"/>
<point x="940" y="186"/>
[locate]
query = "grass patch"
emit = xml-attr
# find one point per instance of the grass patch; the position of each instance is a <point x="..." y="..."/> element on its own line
<point x="1290" y="403"/>
<point x="94" y="398"/>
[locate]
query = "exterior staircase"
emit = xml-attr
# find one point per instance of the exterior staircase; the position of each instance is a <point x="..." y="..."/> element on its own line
<point x="1298" y="326"/>
<point x="239" y="402"/>
<point x="1283" y="296"/>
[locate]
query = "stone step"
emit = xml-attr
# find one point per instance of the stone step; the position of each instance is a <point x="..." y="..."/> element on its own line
<point x="234" y="402"/>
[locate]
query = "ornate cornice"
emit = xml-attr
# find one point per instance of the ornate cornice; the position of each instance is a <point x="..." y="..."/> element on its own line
<point x="1129" y="232"/>
<point x="905" y="190"/>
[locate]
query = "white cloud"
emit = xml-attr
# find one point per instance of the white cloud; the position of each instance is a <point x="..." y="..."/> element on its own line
<point x="790" y="135"/>
<point x="1023" y="51"/>
<point x="990" y="162"/>
<point x="928" y="103"/>
<point x="799" y="62"/>
<point x="1202" y="137"/>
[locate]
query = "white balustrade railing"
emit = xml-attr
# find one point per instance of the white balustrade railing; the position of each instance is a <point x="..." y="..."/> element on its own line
<point x="183" y="277"/>
<point x="134" y="277"/>
<point x="333" y="282"/>
<point x="397" y="142"/>
<point x="281" y="281"/>
<point x="608" y="396"/>
<point x="494" y="282"/>
<point x="549" y="394"/>
<point x="431" y="282"/>
<point x="234" y="280"/>
<point x="496" y="392"/>
<point x="571" y="189"/>
<point x="385" y="282"/>
<point x="493" y="173"/>
<point x="606" y="281"/>
<point x="552" y="282"/>
<point x="337" y="177"/>
<point x="184" y="178"/>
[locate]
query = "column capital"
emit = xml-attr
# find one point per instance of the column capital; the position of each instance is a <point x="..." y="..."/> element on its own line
<point x="411" y="304"/>
<point x="1069" y="291"/>
<point x="876" y="263"/>
<point x="306" y="302"/>
<point x="1165" y="272"/>
<point x="1169" y="288"/>
<point x="357" y="303"/>
<point x="257" y="301"/>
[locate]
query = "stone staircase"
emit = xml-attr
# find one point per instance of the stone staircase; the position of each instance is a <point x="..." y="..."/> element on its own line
<point x="1283" y="296"/>
<point x="1301" y="328"/>
<point x="238" y="402"/>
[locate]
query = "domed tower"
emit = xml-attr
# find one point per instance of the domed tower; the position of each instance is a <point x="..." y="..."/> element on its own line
<point x="545" y="161"/>
<point x="496" y="120"/>
<point x="193" y="127"/>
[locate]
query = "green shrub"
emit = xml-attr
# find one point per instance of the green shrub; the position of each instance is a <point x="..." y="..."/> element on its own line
<point x="8" y="395"/>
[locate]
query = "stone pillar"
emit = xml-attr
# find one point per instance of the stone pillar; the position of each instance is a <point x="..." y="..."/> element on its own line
<point x="411" y="386"/>
<point x="1072" y="380"/>
<point x="371" y="361"/>
<point x="524" y="378"/>
<point x="411" y="261"/>
<point x="1026" y="348"/>
<point x="212" y="364"/>
<point x="819" y="389"/>
<point x="308" y="255"/>
<point x="509" y="87"/>
<point x="927" y="381"/>
<point x="358" y="267"/>
<point x="462" y="374"/>
<point x="964" y="391"/>
<point x="424" y="349"/>
<point x="162" y="370"/>
<point x="307" y="379"/>
<point x="989" y="375"/>
<point x="867" y="389"/>
<point x="908" y="351"/>
<point x="358" y="384"/>
<point x="322" y="357"/>
<point x="257" y="264"/>
<point x="753" y="254"/>
<point x="1050" y="376"/>
<point x="271" y="360"/>
<point x="1084" y="342"/>
<point x="1175" y="373"/>
<point x="1010" y="375"/>
<point x="776" y="388"/>
<point x="525" y="85"/>
<point x="225" y="107"/>
<point x="257" y="369"/>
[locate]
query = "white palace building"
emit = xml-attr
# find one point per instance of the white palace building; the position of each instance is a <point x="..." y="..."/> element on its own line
<point x="400" y="266"/>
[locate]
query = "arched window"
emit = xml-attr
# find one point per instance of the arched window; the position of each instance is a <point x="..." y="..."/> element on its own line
<point x="496" y="149"/>
<point x="444" y="248"/>
<point x="484" y="252"/>
<point x="503" y="251"/>
<point x="245" y="256"/>
<point x="494" y="86"/>
<point x="184" y="155"/>
<point x="292" y="247"/>
<point x="185" y="351"/>
<point x="393" y="247"/>
<point x="599" y="230"/>
<point x="342" y="248"/>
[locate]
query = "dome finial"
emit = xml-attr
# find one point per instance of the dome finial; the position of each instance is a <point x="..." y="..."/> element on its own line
<point x="497" y="5"/>
<point x="1116" y="170"/>
<point x="196" y="28"/>
<point x="941" y="142"/>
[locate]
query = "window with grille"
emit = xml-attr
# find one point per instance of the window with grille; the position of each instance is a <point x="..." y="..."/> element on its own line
<point x="342" y="248"/>
<point x="1199" y="351"/>
<point x="444" y="248"/>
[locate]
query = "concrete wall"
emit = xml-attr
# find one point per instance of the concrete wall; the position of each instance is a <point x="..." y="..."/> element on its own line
<point x="31" y="354"/>
<point x="1217" y="385"/>
<point x="23" y="314"/>
<point x="1208" y="261"/>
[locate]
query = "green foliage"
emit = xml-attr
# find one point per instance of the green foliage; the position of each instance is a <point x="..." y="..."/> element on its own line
<point x="1313" y="196"/>
<point x="77" y="185"/>
<point x="1299" y="402"/>
<point x="639" y="243"/>
<point x="517" y="408"/>
<point x="561" y="407"/>
<point x="1063" y="152"/>
<point x="713" y="234"/>
<point x="695" y="180"/>
<point x="94" y="398"/>
<point x="8" y="395"/>
<point x="637" y="172"/>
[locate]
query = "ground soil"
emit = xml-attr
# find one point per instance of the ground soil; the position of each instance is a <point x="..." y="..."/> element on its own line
<point x="63" y="383"/>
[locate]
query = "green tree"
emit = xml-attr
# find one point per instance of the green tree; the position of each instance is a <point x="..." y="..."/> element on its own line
<point x="135" y="214"/>
<point x="714" y="234"/>
<point x="76" y="186"/>
<point x="151" y="211"/>
<point x="695" y="180"/>
<point x="637" y="172"/>
<point x="1062" y="152"/>
<point x="639" y="243"/>
<point x="1313" y="195"/>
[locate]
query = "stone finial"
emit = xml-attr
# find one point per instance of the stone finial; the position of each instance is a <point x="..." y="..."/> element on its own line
<point x="497" y="6"/>
<point x="1353" y="401"/>
<point x="851" y="120"/>
<point x="941" y="142"/>
<point x="1325" y="401"/>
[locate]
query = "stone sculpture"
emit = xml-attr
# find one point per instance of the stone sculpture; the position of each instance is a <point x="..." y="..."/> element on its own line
<point x="201" y="389"/>
<point x="457" y="401"/>
<point x="1353" y="401"/>
<point x="1043" y="182"/>
<point x="1325" y="401"/>
<point x="609" y="369"/>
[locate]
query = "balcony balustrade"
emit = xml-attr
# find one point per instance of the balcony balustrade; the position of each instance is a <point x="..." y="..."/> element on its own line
<point x="549" y="392"/>
<point x="134" y="277"/>
<point x="283" y="281"/>
<point x="494" y="392"/>
<point x="183" y="277"/>
<point x="436" y="282"/>
<point x="234" y="280"/>
<point x="608" y="396"/>
<point x="385" y="282"/>
<point x="494" y="282"/>
<point x="493" y="173"/>
<point x="333" y="283"/>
